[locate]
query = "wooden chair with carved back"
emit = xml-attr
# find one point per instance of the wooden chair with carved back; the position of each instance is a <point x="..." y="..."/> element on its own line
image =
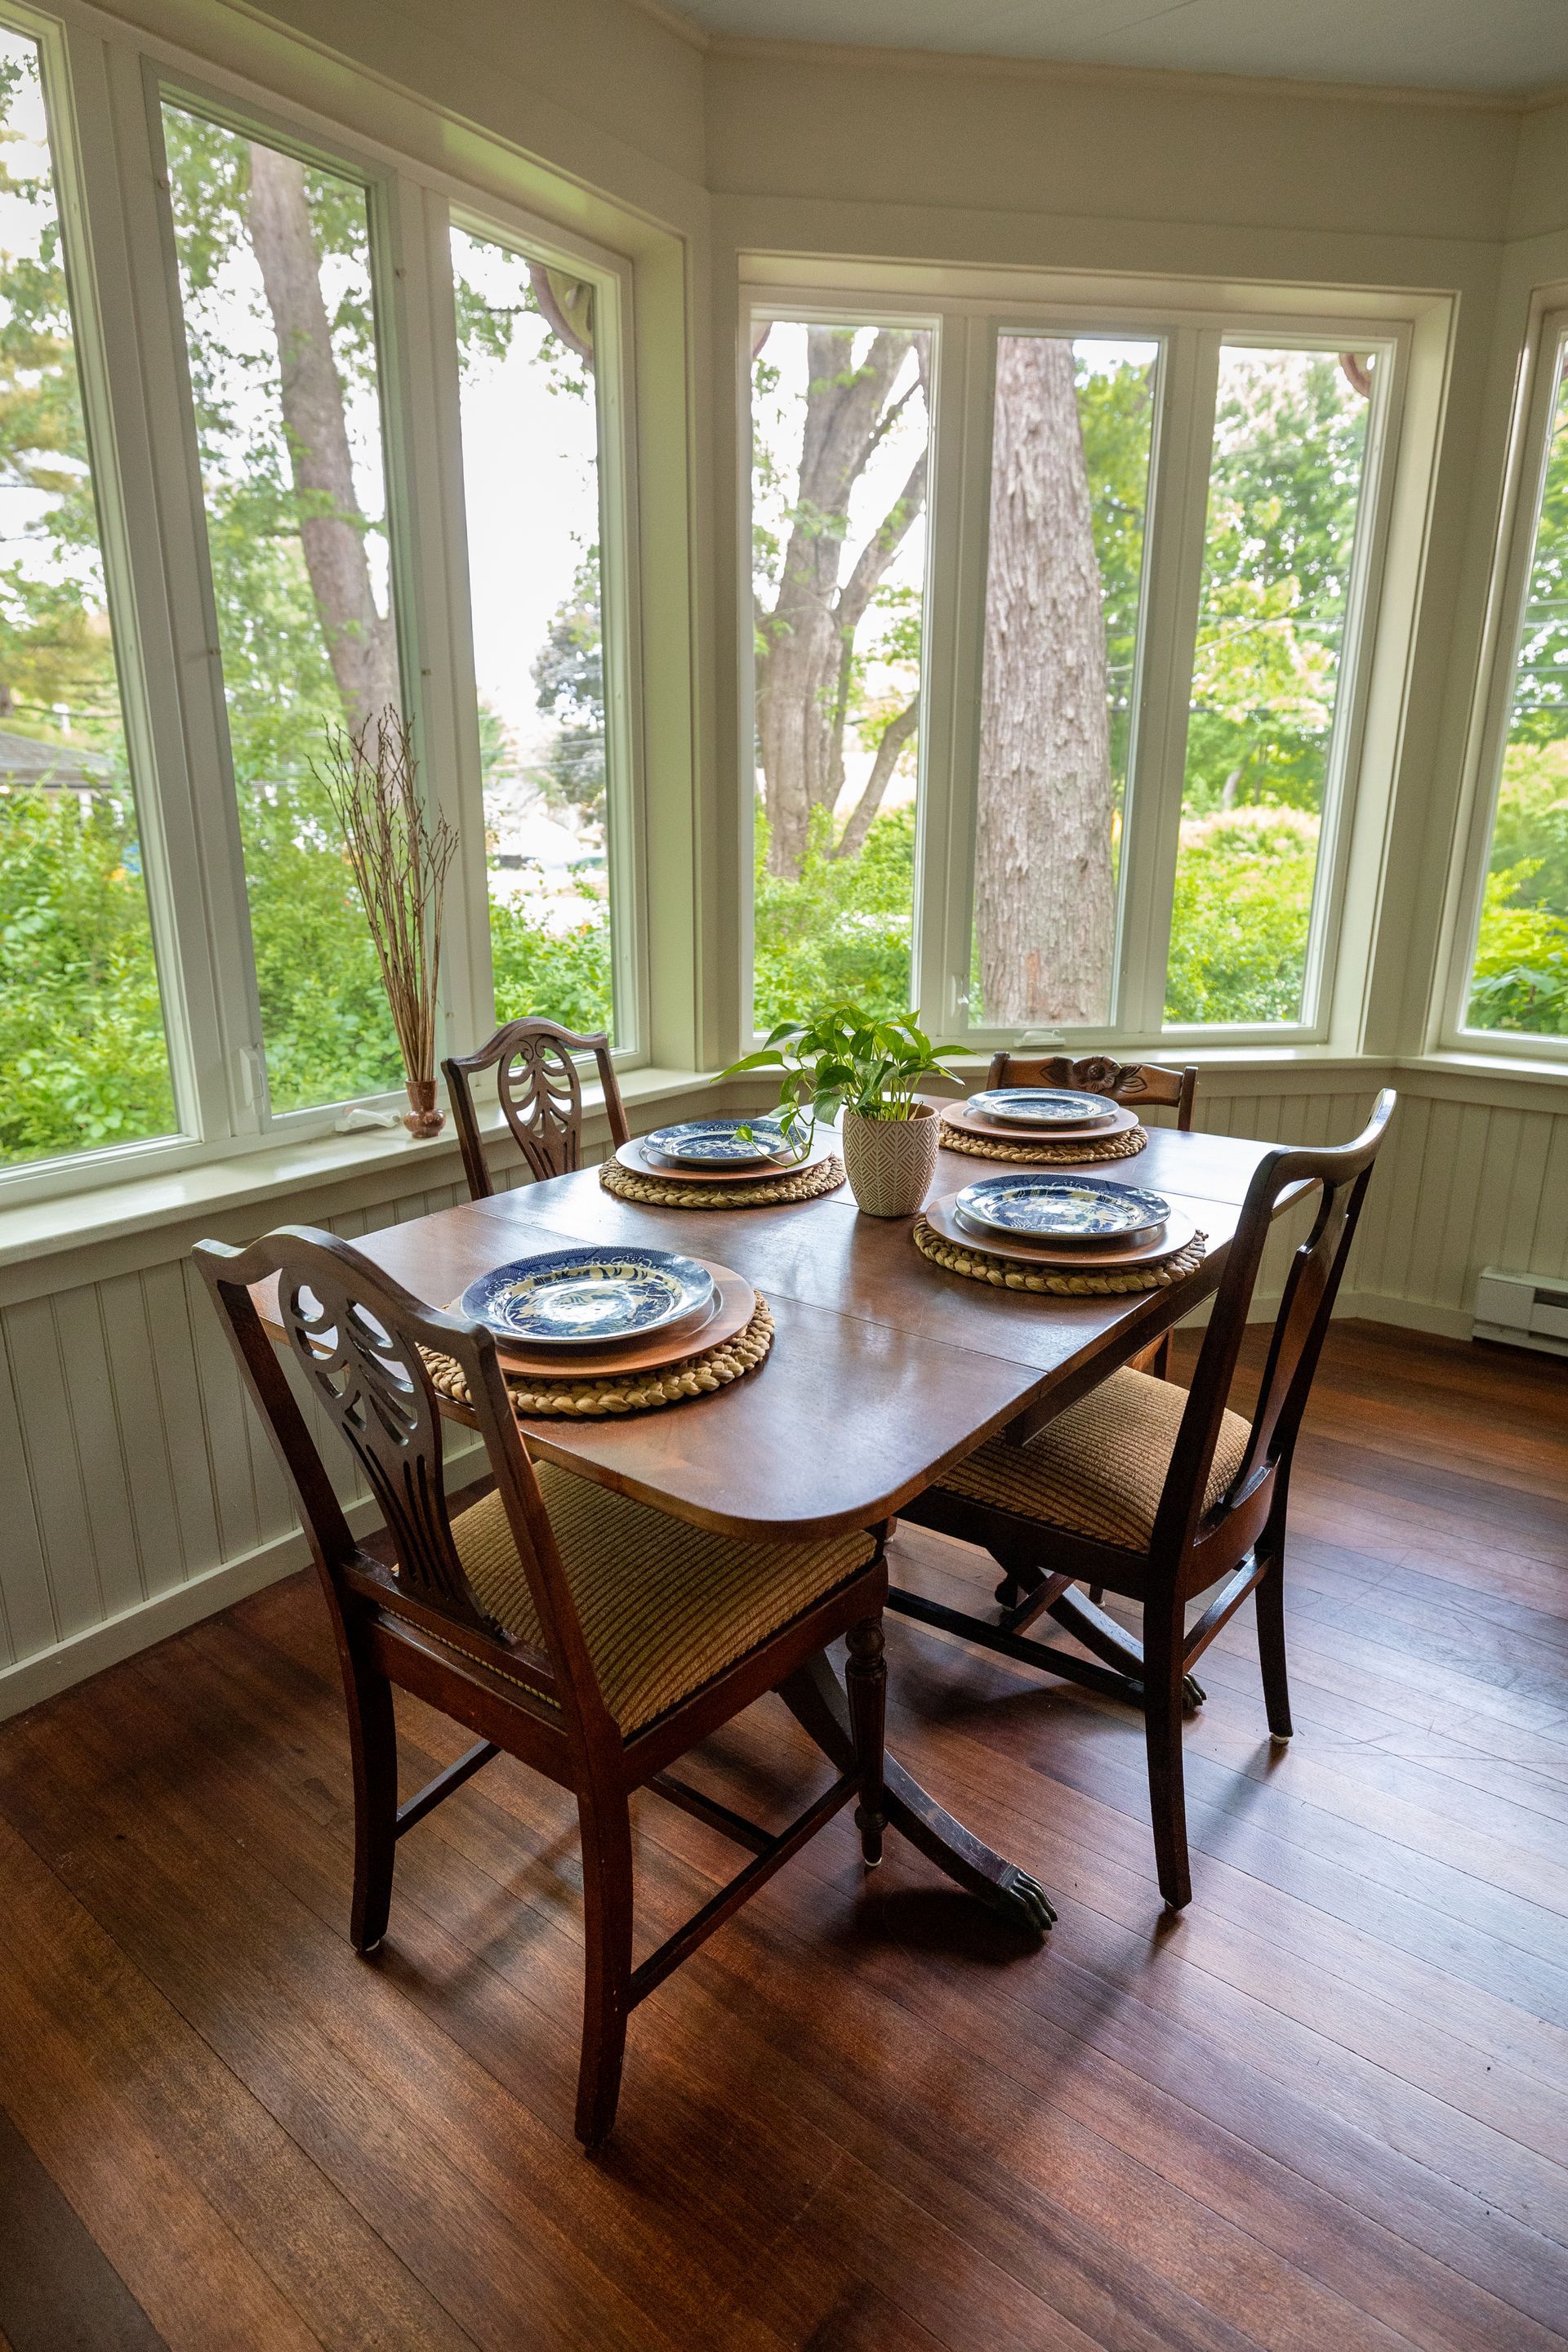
<point x="1162" y="1496"/>
<point x="541" y="1093"/>
<point x="572" y="1626"/>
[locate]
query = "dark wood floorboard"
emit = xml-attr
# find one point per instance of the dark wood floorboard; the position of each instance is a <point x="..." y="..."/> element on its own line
<point x="1326" y="2109"/>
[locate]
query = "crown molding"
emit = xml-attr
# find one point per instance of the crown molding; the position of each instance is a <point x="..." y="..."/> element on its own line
<point x="673" y="20"/>
<point x="746" y="48"/>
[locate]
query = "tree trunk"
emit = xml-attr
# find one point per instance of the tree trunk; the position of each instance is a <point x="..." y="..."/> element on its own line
<point x="359" y="640"/>
<point x="1044" y="895"/>
<point x="802" y="658"/>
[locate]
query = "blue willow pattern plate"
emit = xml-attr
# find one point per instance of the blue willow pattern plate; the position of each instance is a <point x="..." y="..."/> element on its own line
<point x="719" y="1143"/>
<point x="1061" y="1208"/>
<point x="1042" y="1106"/>
<point x="585" y="1296"/>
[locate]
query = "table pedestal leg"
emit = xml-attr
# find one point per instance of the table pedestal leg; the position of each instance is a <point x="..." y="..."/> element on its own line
<point x="814" y="1696"/>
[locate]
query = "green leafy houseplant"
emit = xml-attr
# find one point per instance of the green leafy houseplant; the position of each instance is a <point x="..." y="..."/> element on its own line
<point x="847" y="1061"/>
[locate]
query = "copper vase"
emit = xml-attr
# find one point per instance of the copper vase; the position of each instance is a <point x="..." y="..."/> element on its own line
<point x="423" y="1120"/>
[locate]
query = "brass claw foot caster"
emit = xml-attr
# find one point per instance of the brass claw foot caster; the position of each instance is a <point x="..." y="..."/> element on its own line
<point x="1192" y="1694"/>
<point x="1022" y="1897"/>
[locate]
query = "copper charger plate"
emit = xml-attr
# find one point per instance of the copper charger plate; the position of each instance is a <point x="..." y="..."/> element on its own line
<point x="1080" y="1257"/>
<point x="991" y="1130"/>
<point x="735" y="1304"/>
<point x="632" y="1157"/>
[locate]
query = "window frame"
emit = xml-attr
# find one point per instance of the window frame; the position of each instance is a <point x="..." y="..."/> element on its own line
<point x="105" y="87"/>
<point x="1191" y="324"/>
<point x="1541" y="359"/>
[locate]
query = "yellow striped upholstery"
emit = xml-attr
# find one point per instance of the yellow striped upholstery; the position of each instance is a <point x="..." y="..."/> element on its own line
<point x="1099" y="1469"/>
<point x="665" y="1607"/>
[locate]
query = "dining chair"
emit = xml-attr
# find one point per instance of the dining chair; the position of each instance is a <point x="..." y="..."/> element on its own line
<point x="1161" y="1495"/>
<point x="540" y="1095"/>
<point x="574" y="1627"/>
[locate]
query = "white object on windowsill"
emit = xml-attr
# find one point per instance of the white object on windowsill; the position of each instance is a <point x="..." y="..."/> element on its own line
<point x="356" y="1121"/>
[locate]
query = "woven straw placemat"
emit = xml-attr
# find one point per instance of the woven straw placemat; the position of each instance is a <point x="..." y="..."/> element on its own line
<point x="533" y="1397"/>
<point x="1014" y="1274"/>
<point x="670" y="1193"/>
<point x="1047" y="1155"/>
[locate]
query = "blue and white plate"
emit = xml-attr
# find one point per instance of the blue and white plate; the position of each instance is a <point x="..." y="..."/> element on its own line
<point x="1061" y="1208"/>
<point x="1042" y="1106"/>
<point x="719" y="1143"/>
<point x="584" y="1297"/>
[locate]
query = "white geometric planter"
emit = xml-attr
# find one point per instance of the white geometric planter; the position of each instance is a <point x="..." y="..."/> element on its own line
<point x="889" y="1161"/>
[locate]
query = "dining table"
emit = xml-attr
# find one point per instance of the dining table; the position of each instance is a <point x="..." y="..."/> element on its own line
<point x="884" y="1370"/>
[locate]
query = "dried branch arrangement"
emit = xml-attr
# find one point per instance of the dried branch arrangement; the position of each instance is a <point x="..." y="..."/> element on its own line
<point x="400" y="862"/>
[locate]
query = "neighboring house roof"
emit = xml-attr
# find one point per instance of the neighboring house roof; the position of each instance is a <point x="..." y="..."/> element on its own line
<point x="50" y="767"/>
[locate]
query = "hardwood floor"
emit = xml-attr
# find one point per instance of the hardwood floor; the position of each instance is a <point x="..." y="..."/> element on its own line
<point x="1325" y="2109"/>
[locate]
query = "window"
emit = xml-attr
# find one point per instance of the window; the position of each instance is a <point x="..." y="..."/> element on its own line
<point x="82" y="1041"/>
<point x="280" y="332"/>
<point x="531" y="472"/>
<point x="1517" y="980"/>
<point x="1071" y="435"/>
<point x="841" y="433"/>
<point x="1148" y="539"/>
<point x="234" y="417"/>
<point x="1284" y="494"/>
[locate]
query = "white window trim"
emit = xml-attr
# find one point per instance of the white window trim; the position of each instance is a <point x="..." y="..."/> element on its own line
<point x="1191" y="321"/>
<point x="104" y="84"/>
<point x="1514" y="557"/>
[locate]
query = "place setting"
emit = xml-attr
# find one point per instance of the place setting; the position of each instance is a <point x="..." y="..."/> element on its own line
<point x="605" y="1330"/>
<point x="1042" y="1126"/>
<point x="723" y="1163"/>
<point x="1072" y="1236"/>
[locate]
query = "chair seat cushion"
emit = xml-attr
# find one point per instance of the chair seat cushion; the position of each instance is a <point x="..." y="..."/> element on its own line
<point x="665" y="1607"/>
<point x="1099" y="1469"/>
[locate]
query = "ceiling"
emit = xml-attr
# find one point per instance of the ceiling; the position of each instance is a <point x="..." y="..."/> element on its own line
<point x="1487" y="47"/>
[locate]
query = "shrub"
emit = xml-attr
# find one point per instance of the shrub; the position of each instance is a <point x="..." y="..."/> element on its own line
<point x="1243" y="905"/>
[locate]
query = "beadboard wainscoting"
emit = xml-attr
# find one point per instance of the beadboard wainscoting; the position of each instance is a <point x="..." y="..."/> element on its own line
<point x="138" y="1493"/>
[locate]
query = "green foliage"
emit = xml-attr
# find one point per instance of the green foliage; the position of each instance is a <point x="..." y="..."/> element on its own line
<point x="844" y="1058"/>
<point x="842" y="933"/>
<point x="538" y="968"/>
<point x="1115" y="410"/>
<point x="1243" y="906"/>
<point x="1520" y="980"/>
<point x="1290" y="440"/>
<point x="81" y="1034"/>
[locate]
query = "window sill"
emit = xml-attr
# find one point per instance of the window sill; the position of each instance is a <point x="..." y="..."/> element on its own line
<point x="215" y="1188"/>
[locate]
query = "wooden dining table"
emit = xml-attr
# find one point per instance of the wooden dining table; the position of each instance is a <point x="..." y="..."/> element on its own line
<point x="884" y="1370"/>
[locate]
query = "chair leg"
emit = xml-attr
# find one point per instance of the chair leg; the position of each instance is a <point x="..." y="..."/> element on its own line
<point x="372" y="1742"/>
<point x="606" y="1833"/>
<point x="866" y="1680"/>
<point x="1162" y="1679"/>
<point x="1270" y="1600"/>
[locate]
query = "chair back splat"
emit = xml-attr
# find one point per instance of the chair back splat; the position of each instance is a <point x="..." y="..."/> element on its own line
<point x="1341" y="1174"/>
<point x="541" y="1094"/>
<point x="1135" y="1084"/>
<point x="356" y="1337"/>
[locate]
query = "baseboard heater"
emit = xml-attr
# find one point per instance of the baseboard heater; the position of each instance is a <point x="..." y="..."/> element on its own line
<point x="1521" y="1311"/>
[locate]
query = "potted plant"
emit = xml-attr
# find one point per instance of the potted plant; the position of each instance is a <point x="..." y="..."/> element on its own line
<point x="399" y="860"/>
<point x="845" y="1060"/>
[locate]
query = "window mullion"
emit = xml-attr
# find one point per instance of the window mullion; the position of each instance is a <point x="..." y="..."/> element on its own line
<point x="413" y="276"/>
<point x="1173" y="583"/>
